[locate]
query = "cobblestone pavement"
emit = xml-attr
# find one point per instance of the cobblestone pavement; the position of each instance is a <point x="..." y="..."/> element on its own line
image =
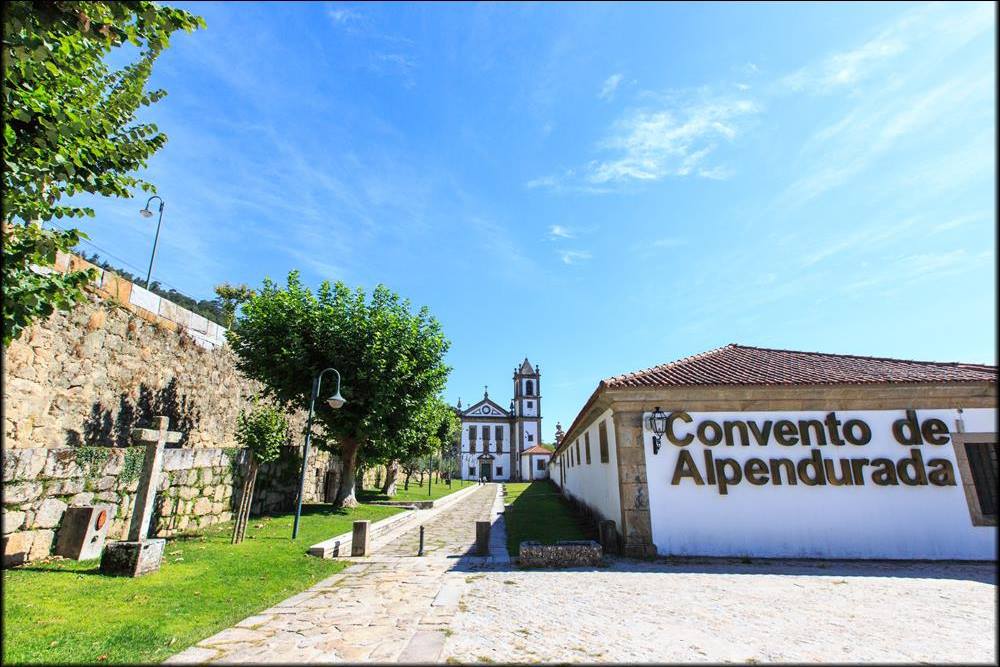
<point x="449" y="534"/>
<point x="714" y="611"/>
<point x="392" y="606"/>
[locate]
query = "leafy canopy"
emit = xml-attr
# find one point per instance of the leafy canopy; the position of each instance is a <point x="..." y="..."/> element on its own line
<point x="264" y="430"/>
<point x="414" y="437"/>
<point x="70" y="127"/>
<point x="390" y="359"/>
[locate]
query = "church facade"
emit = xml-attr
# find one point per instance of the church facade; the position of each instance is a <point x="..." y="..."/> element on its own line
<point x="504" y="444"/>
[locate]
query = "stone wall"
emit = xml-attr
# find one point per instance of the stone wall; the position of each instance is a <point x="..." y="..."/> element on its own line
<point x="77" y="383"/>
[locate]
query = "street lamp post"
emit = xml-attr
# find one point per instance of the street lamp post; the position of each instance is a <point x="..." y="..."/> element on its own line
<point x="146" y="213"/>
<point x="336" y="402"/>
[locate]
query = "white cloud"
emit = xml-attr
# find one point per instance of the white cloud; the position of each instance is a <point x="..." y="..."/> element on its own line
<point x="652" y="145"/>
<point x="925" y="28"/>
<point x="342" y="15"/>
<point x="573" y="256"/>
<point x="542" y="182"/>
<point x="610" y="86"/>
<point x="865" y="238"/>
<point x="873" y="128"/>
<point x="558" y="231"/>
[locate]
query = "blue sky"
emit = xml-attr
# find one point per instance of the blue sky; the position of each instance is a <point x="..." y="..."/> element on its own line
<point x="599" y="187"/>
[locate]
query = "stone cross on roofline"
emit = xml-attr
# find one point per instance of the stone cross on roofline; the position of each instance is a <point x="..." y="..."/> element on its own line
<point x="152" y="464"/>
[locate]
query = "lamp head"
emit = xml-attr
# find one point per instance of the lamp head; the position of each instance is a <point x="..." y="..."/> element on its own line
<point x="146" y="213"/>
<point x="336" y="401"/>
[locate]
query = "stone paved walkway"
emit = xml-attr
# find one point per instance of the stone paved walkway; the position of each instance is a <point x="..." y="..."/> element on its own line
<point x="452" y="607"/>
<point x="392" y="606"/>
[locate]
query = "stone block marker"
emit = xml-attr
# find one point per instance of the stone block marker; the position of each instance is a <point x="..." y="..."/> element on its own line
<point x="573" y="553"/>
<point x="360" y="538"/>
<point x="483" y="538"/>
<point x="83" y="531"/>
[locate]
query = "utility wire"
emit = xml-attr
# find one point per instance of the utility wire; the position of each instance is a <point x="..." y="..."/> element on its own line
<point x="119" y="259"/>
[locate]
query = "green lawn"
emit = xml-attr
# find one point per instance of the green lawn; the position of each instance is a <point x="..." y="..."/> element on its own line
<point x="415" y="492"/>
<point x="537" y="511"/>
<point x="64" y="611"/>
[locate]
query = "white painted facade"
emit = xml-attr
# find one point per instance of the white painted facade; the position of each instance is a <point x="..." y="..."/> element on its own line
<point x="535" y="466"/>
<point x="518" y="427"/>
<point x="867" y="521"/>
<point x="595" y="484"/>
<point x="497" y="447"/>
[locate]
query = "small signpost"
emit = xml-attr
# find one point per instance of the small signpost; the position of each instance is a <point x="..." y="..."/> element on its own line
<point x="140" y="555"/>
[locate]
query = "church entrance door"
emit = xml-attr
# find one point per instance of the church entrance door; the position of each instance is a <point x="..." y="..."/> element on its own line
<point x="486" y="470"/>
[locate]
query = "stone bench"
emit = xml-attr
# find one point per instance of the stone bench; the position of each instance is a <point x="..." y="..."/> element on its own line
<point x="572" y="553"/>
<point x="408" y="504"/>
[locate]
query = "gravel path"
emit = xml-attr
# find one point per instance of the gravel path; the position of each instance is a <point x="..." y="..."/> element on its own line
<point x="720" y="611"/>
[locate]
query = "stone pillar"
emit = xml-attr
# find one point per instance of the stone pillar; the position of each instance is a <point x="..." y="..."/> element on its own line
<point x="633" y="489"/>
<point x="360" y="538"/>
<point x="608" y="533"/>
<point x="483" y="538"/>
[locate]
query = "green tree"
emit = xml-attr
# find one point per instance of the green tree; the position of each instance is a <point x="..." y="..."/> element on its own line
<point x="414" y="438"/>
<point x="263" y="431"/>
<point x="390" y="360"/>
<point x="70" y="127"/>
<point x="231" y="297"/>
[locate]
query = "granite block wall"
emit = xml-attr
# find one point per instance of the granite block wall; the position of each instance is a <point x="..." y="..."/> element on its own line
<point x="76" y="384"/>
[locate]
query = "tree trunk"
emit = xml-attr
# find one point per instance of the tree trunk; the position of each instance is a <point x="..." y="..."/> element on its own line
<point x="391" y="473"/>
<point x="348" y="458"/>
<point x="406" y="480"/>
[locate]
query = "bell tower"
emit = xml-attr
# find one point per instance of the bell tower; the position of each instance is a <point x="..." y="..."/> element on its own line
<point x="527" y="411"/>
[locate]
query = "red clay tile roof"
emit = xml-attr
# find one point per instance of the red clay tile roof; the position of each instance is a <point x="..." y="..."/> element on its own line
<point x="537" y="449"/>
<point x="744" y="365"/>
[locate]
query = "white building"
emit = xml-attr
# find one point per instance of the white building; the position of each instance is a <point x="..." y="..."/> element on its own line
<point x="746" y="451"/>
<point x="504" y="444"/>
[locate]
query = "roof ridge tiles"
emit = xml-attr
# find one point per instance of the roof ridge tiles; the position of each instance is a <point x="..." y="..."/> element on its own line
<point x="746" y="364"/>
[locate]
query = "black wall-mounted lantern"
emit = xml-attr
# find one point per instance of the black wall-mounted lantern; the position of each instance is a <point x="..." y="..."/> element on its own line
<point x="658" y="425"/>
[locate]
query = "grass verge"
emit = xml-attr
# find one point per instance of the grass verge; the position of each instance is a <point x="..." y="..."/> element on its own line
<point x="65" y="612"/>
<point x="537" y="511"/>
<point x="416" y="491"/>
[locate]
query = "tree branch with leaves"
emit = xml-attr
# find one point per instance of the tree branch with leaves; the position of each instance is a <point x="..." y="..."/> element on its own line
<point x="71" y="127"/>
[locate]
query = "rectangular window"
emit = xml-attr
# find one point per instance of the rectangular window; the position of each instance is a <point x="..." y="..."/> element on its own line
<point x="602" y="435"/>
<point x="531" y="438"/>
<point x="472" y="471"/>
<point x="499" y="446"/>
<point x="498" y="433"/>
<point x="586" y="445"/>
<point x="472" y="433"/>
<point x="578" y="459"/>
<point x="983" y="464"/>
<point x="499" y="470"/>
<point x="541" y="464"/>
<point x="531" y="404"/>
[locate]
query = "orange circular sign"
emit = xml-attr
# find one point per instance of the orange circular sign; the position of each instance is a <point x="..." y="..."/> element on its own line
<point x="101" y="519"/>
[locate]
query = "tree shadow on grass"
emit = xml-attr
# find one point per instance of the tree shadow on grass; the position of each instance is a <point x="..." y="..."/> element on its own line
<point x="56" y="569"/>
